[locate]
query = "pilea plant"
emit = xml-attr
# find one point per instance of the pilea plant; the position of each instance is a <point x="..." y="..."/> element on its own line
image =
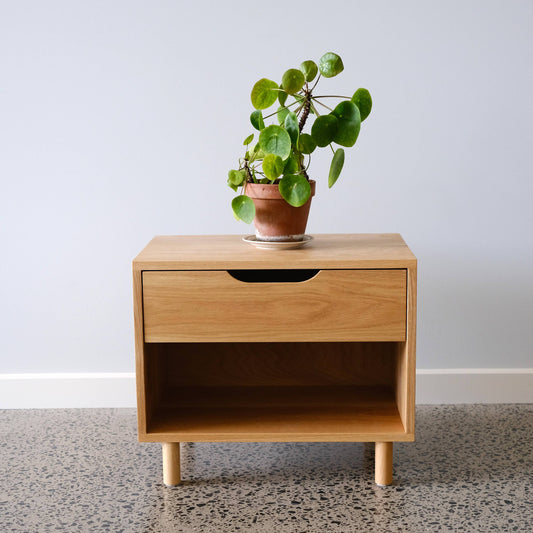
<point x="282" y="154"/>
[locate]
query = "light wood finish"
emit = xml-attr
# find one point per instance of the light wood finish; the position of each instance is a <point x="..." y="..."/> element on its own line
<point x="224" y="252"/>
<point x="171" y="463"/>
<point x="383" y="463"/>
<point x="339" y="365"/>
<point x="278" y="414"/>
<point x="140" y="361"/>
<point x="270" y="364"/>
<point x="340" y="305"/>
<point x="406" y="361"/>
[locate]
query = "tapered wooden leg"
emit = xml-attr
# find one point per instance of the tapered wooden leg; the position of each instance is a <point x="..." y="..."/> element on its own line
<point x="383" y="463"/>
<point x="171" y="463"/>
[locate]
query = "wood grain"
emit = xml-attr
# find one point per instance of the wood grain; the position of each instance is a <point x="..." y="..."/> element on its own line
<point x="224" y="252"/>
<point x="217" y="374"/>
<point x="278" y="414"/>
<point x="335" y="305"/>
<point x="383" y="465"/>
<point x="271" y="364"/>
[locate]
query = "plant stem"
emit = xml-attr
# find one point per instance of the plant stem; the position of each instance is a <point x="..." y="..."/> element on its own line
<point x="323" y="105"/>
<point x="306" y="110"/>
<point x="313" y="88"/>
<point x="275" y="112"/>
<point x="331" y="96"/>
<point x="249" y="176"/>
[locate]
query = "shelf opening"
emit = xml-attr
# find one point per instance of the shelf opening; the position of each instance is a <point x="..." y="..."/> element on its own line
<point x="273" y="392"/>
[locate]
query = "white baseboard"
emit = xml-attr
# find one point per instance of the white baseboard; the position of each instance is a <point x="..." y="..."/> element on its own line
<point x="117" y="389"/>
<point x="65" y="390"/>
<point x="474" y="385"/>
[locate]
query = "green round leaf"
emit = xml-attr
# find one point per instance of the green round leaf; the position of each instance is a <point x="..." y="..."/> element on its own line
<point x="306" y="145"/>
<point x="275" y="140"/>
<point x="291" y="165"/>
<point x="248" y="139"/>
<point x="336" y="166"/>
<point x="295" y="189"/>
<point x="281" y="114"/>
<point x="309" y="69"/>
<point x="264" y="93"/>
<point x="236" y="177"/>
<point x="293" y="80"/>
<point x="324" y="129"/>
<point x="256" y="118"/>
<point x="363" y="101"/>
<point x="349" y="123"/>
<point x="291" y="125"/>
<point x="243" y="208"/>
<point x="282" y="96"/>
<point x="273" y="166"/>
<point x="330" y="65"/>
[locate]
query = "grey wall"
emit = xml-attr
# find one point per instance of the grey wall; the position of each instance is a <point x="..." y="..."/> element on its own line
<point x="119" y="120"/>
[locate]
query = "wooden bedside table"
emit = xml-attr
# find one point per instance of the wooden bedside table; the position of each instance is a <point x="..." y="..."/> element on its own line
<point x="238" y="344"/>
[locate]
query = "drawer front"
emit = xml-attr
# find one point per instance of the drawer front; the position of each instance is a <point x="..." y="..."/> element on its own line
<point x="334" y="305"/>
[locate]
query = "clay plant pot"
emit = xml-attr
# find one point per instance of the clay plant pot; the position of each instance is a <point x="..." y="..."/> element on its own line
<point x="275" y="219"/>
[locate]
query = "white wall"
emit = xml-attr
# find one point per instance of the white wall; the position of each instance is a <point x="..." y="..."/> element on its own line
<point x="119" y="120"/>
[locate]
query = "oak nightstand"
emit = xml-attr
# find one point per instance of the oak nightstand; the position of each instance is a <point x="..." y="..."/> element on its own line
<point x="238" y="344"/>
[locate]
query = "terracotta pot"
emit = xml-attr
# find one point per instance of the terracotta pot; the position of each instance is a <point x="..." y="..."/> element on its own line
<point x="275" y="219"/>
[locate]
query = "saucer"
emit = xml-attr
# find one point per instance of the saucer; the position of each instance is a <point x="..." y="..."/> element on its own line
<point x="277" y="245"/>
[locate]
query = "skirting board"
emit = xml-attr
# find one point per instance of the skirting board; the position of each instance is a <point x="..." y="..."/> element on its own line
<point x="435" y="386"/>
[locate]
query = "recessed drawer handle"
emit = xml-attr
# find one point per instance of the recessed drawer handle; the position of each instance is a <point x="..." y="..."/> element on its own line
<point x="274" y="276"/>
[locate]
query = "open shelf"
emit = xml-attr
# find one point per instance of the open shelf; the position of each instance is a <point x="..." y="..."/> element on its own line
<point x="253" y="414"/>
<point x="251" y="392"/>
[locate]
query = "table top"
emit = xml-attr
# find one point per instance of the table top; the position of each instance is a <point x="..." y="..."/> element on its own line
<point x="222" y="252"/>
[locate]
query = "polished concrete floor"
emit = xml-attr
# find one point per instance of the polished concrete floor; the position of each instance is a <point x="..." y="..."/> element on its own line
<point x="470" y="469"/>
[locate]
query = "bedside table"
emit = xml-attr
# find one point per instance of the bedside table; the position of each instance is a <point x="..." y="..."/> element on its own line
<point x="239" y="344"/>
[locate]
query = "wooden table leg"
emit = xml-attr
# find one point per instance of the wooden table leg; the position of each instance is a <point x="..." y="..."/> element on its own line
<point x="171" y="463"/>
<point x="383" y="463"/>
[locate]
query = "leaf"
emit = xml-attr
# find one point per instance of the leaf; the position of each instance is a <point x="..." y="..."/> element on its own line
<point x="243" y="208"/>
<point x="281" y="114"/>
<point x="256" y="118"/>
<point x="295" y="189"/>
<point x="336" y="166"/>
<point x="275" y="140"/>
<point x="264" y="93"/>
<point x="291" y="125"/>
<point x="349" y="123"/>
<point x="291" y="165"/>
<point x="362" y="99"/>
<point x="282" y="96"/>
<point x="248" y="139"/>
<point x="273" y="166"/>
<point x="330" y="65"/>
<point x="234" y="187"/>
<point x="324" y="129"/>
<point x="309" y="70"/>
<point x="306" y="145"/>
<point x="257" y="153"/>
<point x="293" y="80"/>
<point x="236" y="177"/>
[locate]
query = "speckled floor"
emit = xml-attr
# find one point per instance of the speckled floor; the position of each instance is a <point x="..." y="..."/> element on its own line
<point x="470" y="469"/>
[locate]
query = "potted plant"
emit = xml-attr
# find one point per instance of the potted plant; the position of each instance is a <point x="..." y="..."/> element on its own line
<point x="273" y="174"/>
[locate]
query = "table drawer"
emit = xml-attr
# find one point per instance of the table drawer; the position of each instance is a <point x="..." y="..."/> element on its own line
<point x="333" y="305"/>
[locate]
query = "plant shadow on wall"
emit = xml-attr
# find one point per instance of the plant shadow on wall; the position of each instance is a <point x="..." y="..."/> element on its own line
<point x="276" y="188"/>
